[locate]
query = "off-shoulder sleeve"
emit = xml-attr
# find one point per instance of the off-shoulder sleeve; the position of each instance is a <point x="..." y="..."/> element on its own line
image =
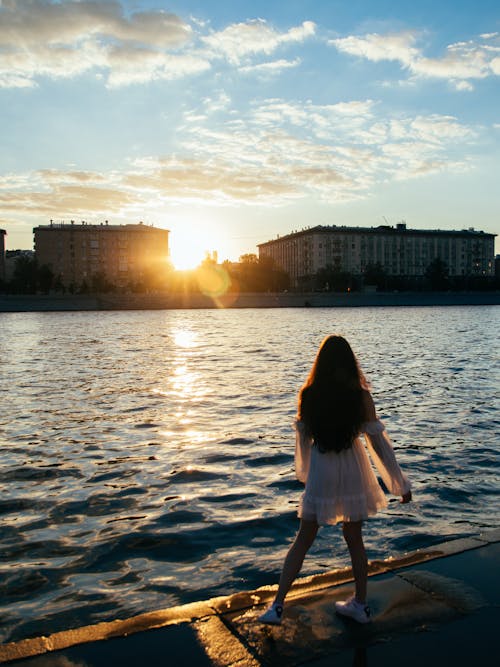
<point x="303" y="443"/>
<point x="382" y="454"/>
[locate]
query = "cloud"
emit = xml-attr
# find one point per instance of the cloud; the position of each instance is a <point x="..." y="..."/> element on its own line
<point x="334" y="152"/>
<point x="376" y="47"/>
<point x="55" y="193"/>
<point x="270" y="68"/>
<point x="36" y="22"/>
<point x="323" y="121"/>
<point x="434" y="129"/>
<point x="460" y="63"/>
<point x="276" y="152"/>
<point x="220" y="180"/>
<point x="42" y="38"/>
<point x="139" y="65"/>
<point x="463" y="85"/>
<point x="240" y="40"/>
<point x="495" y="66"/>
<point x="218" y="103"/>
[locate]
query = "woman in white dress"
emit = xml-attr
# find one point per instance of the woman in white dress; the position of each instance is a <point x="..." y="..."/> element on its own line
<point x="335" y="408"/>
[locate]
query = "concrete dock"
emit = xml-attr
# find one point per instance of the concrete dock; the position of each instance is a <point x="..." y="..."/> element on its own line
<point x="436" y="606"/>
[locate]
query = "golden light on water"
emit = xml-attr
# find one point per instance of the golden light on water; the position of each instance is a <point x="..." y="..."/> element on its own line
<point x="184" y="338"/>
<point x="186" y="385"/>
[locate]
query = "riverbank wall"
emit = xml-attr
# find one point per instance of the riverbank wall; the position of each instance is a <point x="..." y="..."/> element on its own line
<point x="161" y="301"/>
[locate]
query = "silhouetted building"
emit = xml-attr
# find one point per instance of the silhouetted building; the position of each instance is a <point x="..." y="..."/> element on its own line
<point x="3" y="234"/>
<point x="397" y="250"/>
<point x="76" y="253"/>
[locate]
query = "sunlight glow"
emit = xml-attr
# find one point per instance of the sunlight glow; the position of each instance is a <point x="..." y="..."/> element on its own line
<point x="185" y="259"/>
<point x="189" y="247"/>
<point x="214" y="281"/>
<point x="185" y="338"/>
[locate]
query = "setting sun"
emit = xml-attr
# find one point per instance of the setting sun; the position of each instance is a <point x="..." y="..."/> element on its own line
<point x="189" y="246"/>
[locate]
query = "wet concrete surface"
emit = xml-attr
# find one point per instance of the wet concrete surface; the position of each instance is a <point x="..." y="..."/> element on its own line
<point x="440" y="610"/>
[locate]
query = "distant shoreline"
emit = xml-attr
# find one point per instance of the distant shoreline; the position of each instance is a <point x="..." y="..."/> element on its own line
<point x="42" y="303"/>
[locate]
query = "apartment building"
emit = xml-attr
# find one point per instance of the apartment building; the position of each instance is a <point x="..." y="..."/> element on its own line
<point x="122" y="253"/>
<point x="400" y="251"/>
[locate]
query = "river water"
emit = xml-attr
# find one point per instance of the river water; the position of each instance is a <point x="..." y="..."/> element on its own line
<point x="146" y="457"/>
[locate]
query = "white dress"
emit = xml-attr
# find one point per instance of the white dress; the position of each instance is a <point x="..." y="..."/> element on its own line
<point x="341" y="486"/>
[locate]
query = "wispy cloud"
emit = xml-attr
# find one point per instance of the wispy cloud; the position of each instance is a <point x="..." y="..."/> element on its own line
<point x="128" y="65"/>
<point x="375" y="47"/>
<point x="277" y="152"/>
<point x="55" y="193"/>
<point x="461" y="62"/>
<point x="270" y="68"/>
<point x="254" y="37"/>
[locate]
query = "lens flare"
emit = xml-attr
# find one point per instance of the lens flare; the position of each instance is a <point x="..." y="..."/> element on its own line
<point x="214" y="280"/>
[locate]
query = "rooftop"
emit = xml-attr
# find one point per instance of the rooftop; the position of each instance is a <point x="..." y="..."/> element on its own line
<point x="400" y="228"/>
<point x="83" y="225"/>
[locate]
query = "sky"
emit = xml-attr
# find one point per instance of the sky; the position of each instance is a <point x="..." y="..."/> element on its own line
<point x="231" y="122"/>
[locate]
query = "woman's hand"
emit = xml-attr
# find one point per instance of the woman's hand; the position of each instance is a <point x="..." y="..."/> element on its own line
<point x="406" y="498"/>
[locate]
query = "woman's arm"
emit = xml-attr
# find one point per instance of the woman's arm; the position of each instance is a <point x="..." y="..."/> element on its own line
<point x="303" y="444"/>
<point x="369" y="412"/>
<point x="382" y="453"/>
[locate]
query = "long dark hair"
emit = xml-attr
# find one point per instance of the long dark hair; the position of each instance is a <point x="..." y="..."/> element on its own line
<point x="331" y="400"/>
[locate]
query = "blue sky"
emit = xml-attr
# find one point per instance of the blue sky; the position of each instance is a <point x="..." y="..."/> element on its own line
<point x="231" y="122"/>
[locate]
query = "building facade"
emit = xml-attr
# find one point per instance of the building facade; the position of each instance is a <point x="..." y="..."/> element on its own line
<point x="121" y="253"/>
<point x="399" y="251"/>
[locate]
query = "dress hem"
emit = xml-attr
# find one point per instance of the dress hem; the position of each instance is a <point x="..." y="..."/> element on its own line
<point x="342" y="519"/>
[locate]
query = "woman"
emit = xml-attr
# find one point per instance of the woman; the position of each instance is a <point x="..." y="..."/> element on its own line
<point x="335" y="407"/>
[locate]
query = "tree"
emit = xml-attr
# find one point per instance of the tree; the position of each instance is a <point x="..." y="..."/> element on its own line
<point x="260" y="274"/>
<point x="248" y="258"/>
<point x="437" y="274"/>
<point x="100" y="282"/>
<point x="272" y="278"/>
<point x="58" y="284"/>
<point x="45" y="278"/>
<point x="332" y="279"/>
<point x="24" y="278"/>
<point x="375" y="275"/>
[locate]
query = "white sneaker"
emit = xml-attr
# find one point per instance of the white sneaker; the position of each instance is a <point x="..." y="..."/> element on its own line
<point x="354" y="609"/>
<point x="272" y="616"/>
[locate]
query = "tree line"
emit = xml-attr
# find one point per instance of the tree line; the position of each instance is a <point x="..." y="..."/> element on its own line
<point x="435" y="278"/>
<point x="250" y="274"/>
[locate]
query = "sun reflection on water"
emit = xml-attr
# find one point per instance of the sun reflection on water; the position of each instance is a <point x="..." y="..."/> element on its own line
<point x="186" y="386"/>
<point x="185" y="338"/>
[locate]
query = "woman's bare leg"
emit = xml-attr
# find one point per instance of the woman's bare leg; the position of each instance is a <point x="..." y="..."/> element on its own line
<point x="295" y="557"/>
<point x="354" y="540"/>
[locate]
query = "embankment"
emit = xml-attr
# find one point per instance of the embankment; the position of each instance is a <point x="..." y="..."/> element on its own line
<point x="34" y="303"/>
